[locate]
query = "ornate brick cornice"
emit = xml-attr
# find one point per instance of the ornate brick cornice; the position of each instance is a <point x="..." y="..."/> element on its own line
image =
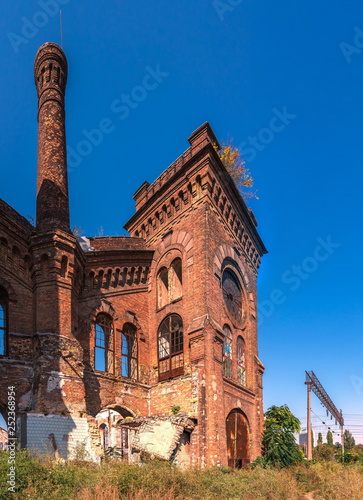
<point x="50" y="74"/>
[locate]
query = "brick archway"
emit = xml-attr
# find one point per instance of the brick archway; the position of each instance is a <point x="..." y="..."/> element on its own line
<point x="237" y="432"/>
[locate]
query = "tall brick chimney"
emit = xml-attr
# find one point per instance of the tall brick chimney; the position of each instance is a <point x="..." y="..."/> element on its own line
<point x="50" y="72"/>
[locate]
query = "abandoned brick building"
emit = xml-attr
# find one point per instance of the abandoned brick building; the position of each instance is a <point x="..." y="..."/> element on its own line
<point x="140" y="344"/>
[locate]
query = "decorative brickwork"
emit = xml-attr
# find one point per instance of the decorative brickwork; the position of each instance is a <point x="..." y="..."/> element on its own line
<point x="105" y="337"/>
<point x="50" y="72"/>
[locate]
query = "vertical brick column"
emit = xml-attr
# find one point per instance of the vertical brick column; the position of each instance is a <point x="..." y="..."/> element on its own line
<point x="50" y="72"/>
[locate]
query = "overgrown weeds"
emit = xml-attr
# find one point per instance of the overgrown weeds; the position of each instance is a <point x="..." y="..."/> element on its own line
<point x="46" y="479"/>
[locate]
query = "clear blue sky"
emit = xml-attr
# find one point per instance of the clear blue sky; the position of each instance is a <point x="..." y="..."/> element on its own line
<point x="240" y="68"/>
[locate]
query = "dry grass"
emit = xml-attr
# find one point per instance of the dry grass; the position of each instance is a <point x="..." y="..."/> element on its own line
<point x="47" y="480"/>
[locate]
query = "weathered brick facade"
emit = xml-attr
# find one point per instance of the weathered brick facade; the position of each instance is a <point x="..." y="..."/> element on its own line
<point x="104" y="335"/>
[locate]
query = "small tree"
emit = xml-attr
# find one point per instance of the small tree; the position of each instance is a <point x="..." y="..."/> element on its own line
<point x="349" y="441"/>
<point x="235" y="165"/>
<point x="320" y="438"/>
<point x="280" y="447"/>
<point x="312" y="438"/>
<point x="329" y="438"/>
<point x="324" y="452"/>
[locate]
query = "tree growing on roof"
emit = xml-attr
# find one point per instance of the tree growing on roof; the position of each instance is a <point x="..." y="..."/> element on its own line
<point x="236" y="167"/>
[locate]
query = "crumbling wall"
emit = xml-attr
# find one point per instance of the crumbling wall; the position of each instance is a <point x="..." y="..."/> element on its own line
<point x="65" y="437"/>
<point x="160" y="437"/>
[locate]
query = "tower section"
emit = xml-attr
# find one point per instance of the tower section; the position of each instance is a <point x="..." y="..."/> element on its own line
<point x="56" y="258"/>
<point x="203" y="302"/>
<point x="50" y="72"/>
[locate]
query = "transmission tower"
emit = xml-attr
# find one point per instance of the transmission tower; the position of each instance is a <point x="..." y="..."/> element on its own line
<point x="313" y="384"/>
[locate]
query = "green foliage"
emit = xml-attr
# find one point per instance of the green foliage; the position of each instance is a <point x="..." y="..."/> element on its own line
<point x="260" y="462"/>
<point x="280" y="447"/>
<point x="80" y="453"/>
<point x="175" y="409"/>
<point x="349" y="441"/>
<point x="324" y="452"/>
<point x="320" y="438"/>
<point x="329" y="438"/>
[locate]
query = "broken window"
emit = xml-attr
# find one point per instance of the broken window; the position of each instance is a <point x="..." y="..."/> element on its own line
<point x="241" y="368"/>
<point x="227" y="352"/>
<point x="169" y="283"/>
<point x="170" y="347"/>
<point x="129" y="351"/>
<point x="104" y="344"/>
<point x="3" y="322"/>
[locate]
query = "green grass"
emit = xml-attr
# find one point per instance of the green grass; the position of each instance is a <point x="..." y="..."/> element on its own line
<point x="44" y="479"/>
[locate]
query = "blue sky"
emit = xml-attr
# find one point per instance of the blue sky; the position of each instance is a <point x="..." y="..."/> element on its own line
<point x="283" y="81"/>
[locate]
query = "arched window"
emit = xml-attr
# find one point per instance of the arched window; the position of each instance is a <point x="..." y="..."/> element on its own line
<point x="3" y="322"/>
<point x="170" y="347"/>
<point x="104" y="343"/>
<point x="129" y="352"/>
<point x="169" y="283"/>
<point x="64" y="266"/>
<point x="232" y="294"/>
<point x="227" y="352"/>
<point x="241" y="368"/>
<point x="3" y="249"/>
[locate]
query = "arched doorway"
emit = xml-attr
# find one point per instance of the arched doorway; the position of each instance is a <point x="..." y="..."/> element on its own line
<point x="111" y="436"/>
<point x="237" y="431"/>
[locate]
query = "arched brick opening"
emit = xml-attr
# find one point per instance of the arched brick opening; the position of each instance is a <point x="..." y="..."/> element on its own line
<point x="238" y="439"/>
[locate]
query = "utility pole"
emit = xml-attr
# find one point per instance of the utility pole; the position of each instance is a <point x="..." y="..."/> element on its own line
<point x="309" y="452"/>
<point x="342" y="435"/>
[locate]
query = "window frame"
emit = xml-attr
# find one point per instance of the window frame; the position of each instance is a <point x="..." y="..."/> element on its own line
<point x="4" y="322"/>
<point x="241" y="360"/>
<point x="174" y="344"/>
<point x="105" y="436"/>
<point x="232" y="292"/>
<point x="227" y="353"/>
<point x="133" y="357"/>
<point x="108" y="348"/>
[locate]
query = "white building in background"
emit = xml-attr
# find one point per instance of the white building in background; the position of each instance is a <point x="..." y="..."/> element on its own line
<point x="302" y="438"/>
